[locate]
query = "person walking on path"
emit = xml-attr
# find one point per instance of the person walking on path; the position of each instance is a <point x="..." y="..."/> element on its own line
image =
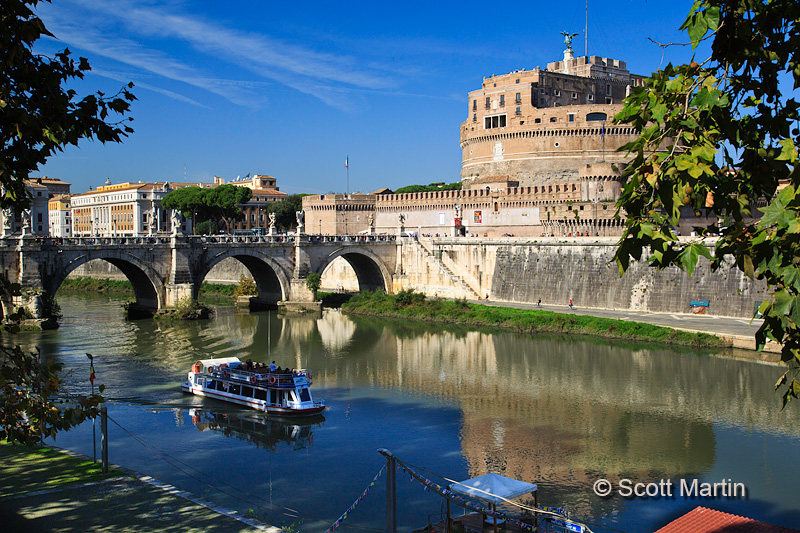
<point x="539" y="303"/>
<point x="570" y="304"/>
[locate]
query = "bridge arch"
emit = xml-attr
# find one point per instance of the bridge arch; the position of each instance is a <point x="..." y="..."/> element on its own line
<point x="148" y="285"/>
<point x="271" y="280"/>
<point x="370" y="270"/>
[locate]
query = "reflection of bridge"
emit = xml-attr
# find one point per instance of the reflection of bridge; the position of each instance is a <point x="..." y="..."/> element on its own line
<point x="164" y="270"/>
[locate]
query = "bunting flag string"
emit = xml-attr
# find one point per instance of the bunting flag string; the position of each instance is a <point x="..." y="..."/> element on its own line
<point x="350" y="509"/>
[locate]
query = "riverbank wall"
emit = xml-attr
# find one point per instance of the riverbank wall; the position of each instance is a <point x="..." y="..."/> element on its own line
<point x="559" y="270"/>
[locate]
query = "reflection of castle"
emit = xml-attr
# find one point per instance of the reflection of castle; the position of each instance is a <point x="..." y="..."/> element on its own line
<point x="262" y="430"/>
<point x="538" y="157"/>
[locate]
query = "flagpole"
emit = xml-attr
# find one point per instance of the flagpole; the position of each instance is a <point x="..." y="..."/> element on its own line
<point x="603" y="138"/>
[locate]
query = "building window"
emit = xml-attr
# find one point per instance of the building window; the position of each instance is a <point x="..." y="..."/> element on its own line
<point x="518" y="111"/>
<point x="591" y="98"/>
<point x="541" y="91"/>
<point x="474" y="117"/>
<point x="518" y="98"/>
<point x="502" y="100"/>
<point x="571" y="117"/>
<point x="596" y="117"/>
<point x="517" y="80"/>
<point x="488" y="102"/>
<point x="553" y="119"/>
<point x="497" y="121"/>
<point x="608" y="100"/>
<point x="556" y="93"/>
<point x="574" y="96"/>
<point x="608" y="88"/>
<point x="537" y="121"/>
<point x="474" y="105"/>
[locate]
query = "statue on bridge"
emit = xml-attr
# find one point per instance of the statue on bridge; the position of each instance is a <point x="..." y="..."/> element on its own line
<point x="153" y="222"/>
<point x="8" y="220"/>
<point x="26" y="222"/>
<point x="271" y="223"/>
<point x="301" y="222"/>
<point x="176" y="225"/>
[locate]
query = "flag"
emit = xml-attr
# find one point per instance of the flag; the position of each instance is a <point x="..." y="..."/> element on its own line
<point x="346" y="161"/>
<point x="91" y="368"/>
<point x="603" y="130"/>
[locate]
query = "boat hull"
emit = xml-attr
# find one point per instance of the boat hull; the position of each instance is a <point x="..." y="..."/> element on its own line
<point x="252" y="403"/>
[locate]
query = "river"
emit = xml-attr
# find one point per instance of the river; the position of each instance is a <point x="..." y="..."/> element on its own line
<point x="560" y="412"/>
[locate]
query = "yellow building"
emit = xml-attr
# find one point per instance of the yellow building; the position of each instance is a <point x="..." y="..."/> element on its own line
<point x="127" y="209"/>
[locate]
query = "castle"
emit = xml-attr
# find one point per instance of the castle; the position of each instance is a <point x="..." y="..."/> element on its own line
<point x="539" y="158"/>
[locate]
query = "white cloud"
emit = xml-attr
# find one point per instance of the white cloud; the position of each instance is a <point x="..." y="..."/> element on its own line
<point x="118" y="30"/>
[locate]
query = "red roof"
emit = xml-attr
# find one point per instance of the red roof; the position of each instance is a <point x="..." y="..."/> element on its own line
<point x="704" y="520"/>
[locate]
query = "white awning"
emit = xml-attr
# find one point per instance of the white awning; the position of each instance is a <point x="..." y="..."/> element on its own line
<point x="493" y="488"/>
<point x="221" y="360"/>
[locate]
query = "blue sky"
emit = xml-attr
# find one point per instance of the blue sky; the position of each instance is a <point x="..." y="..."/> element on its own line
<point x="290" y="88"/>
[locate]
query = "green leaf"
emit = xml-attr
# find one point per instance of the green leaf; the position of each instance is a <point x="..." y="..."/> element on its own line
<point x="697" y="29"/>
<point x="788" y="151"/>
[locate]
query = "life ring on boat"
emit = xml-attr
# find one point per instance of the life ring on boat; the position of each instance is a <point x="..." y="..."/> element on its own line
<point x="272" y="380"/>
<point x="211" y="370"/>
<point x="253" y="380"/>
<point x="225" y="374"/>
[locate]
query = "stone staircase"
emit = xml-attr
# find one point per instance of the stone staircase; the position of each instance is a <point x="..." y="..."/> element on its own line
<point x="458" y="281"/>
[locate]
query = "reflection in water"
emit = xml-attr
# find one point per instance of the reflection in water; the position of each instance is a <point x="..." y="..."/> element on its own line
<point x="259" y="428"/>
<point x="559" y="412"/>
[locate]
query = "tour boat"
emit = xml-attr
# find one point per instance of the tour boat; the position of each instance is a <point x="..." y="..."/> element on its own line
<point x="284" y="393"/>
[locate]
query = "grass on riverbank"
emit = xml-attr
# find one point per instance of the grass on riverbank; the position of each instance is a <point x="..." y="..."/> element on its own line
<point x="215" y="293"/>
<point x="24" y="469"/>
<point x="409" y="304"/>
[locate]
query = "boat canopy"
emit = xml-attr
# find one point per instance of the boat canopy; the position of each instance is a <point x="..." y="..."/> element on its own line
<point x="493" y="488"/>
<point x="220" y="361"/>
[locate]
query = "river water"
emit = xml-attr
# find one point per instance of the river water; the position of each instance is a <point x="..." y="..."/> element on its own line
<point x="561" y="412"/>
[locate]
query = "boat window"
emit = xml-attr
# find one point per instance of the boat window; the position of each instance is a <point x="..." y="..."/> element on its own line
<point x="247" y="392"/>
<point x="273" y="396"/>
<point x="261" y="394"/>
<point x="304" y="395"/>
<point x="291" y="396"/>
<point x="234" y="389"/>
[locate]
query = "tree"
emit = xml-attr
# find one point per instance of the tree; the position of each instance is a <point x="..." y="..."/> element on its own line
<point x="313" y="281"/>
<point x="28" y="387"/>
<point x="38" y="115"/>
<point x="731" y="136"/>
<point x="38" y="118"/>
<point x="216" y="205"/>
<point x="223" y="202"/>
<point x="189" y="201"/>
<point x="437" y="186"/>
<point x="286" y="211"/>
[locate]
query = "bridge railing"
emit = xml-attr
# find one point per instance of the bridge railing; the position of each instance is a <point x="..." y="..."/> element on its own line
<point x="196" y="239"/>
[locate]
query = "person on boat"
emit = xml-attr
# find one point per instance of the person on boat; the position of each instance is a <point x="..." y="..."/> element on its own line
<point x="272" y="367"/>
<point x="249" y="364"/>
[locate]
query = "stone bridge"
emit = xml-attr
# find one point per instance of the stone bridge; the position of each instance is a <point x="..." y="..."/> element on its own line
<point x="166" y="269"/>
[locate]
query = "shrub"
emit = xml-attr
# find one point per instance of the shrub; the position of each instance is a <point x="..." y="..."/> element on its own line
<point x="246" y="287"/>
